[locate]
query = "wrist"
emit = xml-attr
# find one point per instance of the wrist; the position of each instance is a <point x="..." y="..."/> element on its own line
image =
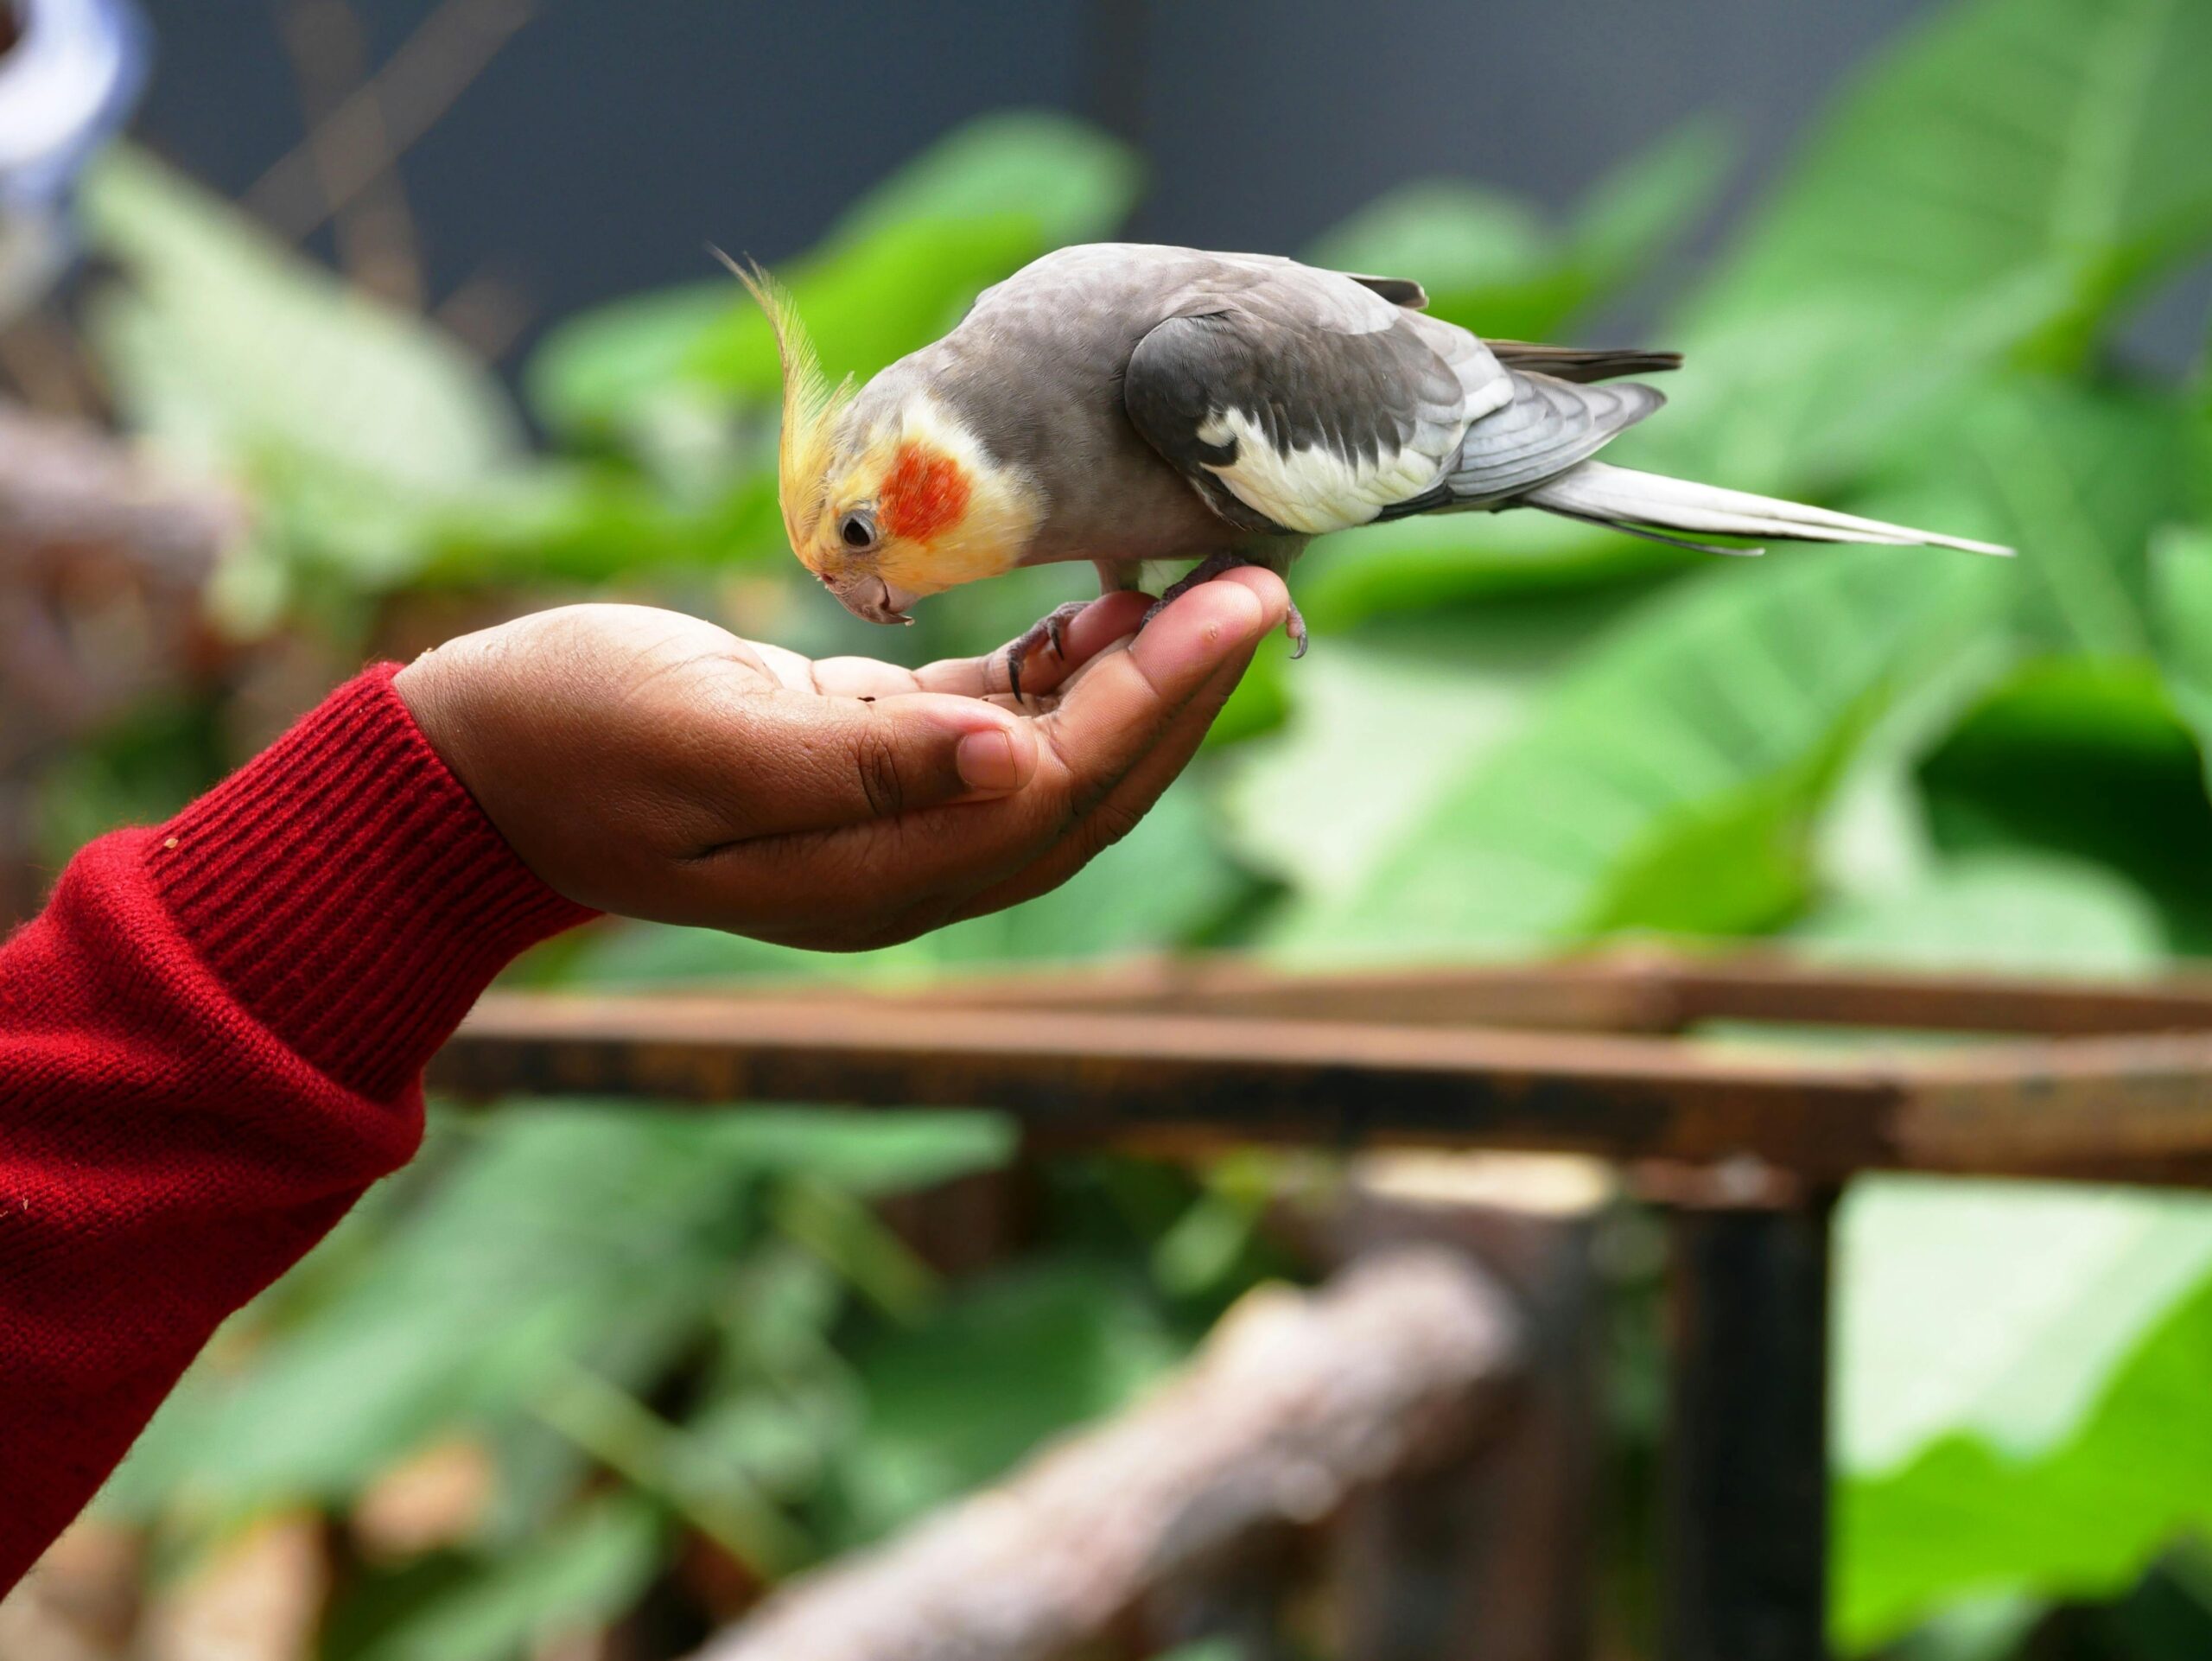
<point x="349" y="892"/>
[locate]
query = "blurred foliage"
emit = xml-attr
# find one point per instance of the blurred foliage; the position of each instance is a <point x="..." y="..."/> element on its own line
<point x="1514" y="734"/>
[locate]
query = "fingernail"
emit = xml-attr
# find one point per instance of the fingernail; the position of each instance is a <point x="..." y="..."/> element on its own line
<point x="987" y="761"/>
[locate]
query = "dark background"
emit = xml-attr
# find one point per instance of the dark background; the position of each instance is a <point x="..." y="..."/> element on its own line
<point x="605" y="144"/>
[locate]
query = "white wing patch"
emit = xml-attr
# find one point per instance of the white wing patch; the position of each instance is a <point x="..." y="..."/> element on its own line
<point x="1312" y="489"/>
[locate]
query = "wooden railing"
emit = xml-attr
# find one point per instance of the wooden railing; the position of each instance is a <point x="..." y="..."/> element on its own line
<point x="1655" y="1065"/>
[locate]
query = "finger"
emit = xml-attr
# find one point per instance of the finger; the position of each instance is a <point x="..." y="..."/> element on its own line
<point x="1123" y="705"/>
<point x="923" y="867"/>
<point x="780" y="762"/>
<point x="1090" y="632"/>
<point x="1123" y="807"/>
<point x="867" y="677"/>
<point x="793" y="669"/>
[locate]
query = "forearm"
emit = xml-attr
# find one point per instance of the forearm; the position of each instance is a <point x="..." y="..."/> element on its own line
<point x="209" y="1046"/>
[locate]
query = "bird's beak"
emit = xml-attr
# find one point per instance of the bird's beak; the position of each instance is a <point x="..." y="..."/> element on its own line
<point x="871" y="597"/>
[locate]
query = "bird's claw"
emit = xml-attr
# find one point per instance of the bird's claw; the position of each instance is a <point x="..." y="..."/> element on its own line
<point x="1051" y="630"/>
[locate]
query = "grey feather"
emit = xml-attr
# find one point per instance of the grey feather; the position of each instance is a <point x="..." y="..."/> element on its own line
<point x="1548" y="427"/>
<point x="1632" y="500"/>
<point x="1581" y="363"/>
<point x="1398" y="290"/>
<point x="1367" y="397"/>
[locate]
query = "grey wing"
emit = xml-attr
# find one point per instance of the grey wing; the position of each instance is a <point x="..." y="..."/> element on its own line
<point x="1547" y="426"/>
<point x="1308" y="403"/>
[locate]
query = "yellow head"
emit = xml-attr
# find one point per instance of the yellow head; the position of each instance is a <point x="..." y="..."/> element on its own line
<point x="884" y="507"/>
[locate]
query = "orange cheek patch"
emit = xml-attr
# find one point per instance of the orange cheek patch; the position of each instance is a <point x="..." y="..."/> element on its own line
<point x="923" y="495"/>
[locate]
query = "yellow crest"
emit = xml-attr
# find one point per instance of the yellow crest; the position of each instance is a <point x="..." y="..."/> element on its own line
<point x="811" y="407"/>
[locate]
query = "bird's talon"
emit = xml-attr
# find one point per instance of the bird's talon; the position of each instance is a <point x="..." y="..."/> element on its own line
<point x="1051" y="630"/>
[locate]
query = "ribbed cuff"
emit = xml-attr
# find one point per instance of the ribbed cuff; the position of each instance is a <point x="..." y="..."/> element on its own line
<point x="350" y="892"/>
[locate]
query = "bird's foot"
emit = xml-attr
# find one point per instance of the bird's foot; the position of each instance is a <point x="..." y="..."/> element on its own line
<point x="1212" y="566"/>
<point x="1050" y="630"/>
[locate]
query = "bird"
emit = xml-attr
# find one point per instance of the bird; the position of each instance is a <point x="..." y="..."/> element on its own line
<point x="1124" y="403"/>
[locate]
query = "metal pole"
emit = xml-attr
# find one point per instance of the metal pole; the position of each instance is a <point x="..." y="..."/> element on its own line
<point x="1746" y="1502"/>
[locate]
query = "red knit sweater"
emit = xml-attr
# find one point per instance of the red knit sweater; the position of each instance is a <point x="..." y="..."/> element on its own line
<point x="210" y="1044"/>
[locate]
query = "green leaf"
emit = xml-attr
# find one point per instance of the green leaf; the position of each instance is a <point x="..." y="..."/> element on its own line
<point x="1988" y="1321"/>
<point x="607" y="365"/>
<point x="580" y="1575"/>
<point x="1380" y="725"/>
<point x="2181" y="580"/>
<point x="2081" y="478"/>
<point x="2087" y="759"/>
<point x="2001" y="138"/>
<point x="1690" y="748"/>
<point x="1999" y="1310"/>
<point x="230" y="349"/>
<point x="565" y="1234"/>
<point x="1413" y="567"/>
<point x="2012" y="910"/>
<point x="1008" y="1362"/>
<point x="2079" y="1518"/>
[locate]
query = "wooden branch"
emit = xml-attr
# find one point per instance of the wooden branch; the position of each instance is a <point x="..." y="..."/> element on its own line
<point x="1298" y="1401"/>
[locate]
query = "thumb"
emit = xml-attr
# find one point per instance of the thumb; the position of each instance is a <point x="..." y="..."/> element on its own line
<point x="799" y="762"/>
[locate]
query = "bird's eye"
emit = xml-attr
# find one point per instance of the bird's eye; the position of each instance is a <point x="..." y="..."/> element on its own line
<point x="857" y="531"/>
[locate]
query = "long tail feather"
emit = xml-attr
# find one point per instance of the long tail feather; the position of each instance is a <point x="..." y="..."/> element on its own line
<point x="1581" y="363"/>
<point x="1636" y="502"/>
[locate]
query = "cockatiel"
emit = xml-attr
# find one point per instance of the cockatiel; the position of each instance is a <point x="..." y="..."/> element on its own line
<point x="1120" y="402"/>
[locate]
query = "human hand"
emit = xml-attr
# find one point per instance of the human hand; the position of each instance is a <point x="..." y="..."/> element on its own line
<point x="645" y="762"/>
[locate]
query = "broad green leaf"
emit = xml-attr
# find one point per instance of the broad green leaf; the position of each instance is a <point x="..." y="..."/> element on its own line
<point x="565" y="1234"/>
<point x="2089" y="759"/>
<point x="230" y="349"/>
<point x="1995" y="1315"/>
<point x="1007" y="1363"/>
<point x="596" y="371"/>
<point x="2080" y="1518"/>
<point x="1873" y="843"/>
<point x="560" y="523"/>
<point x="582" y="1574"/>
<point x="1998" y="1309"/>
<point x="1690" y="746"/>
<point x="1992" y="188"/>
<point x="1999" y="137"/>
<point x="2181" y="577"/>
<point x="2081" y="478"/>
<point x="2015" y="911"/>
<point x="1380" y="723"/>
<point x="1413" y="567"/>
